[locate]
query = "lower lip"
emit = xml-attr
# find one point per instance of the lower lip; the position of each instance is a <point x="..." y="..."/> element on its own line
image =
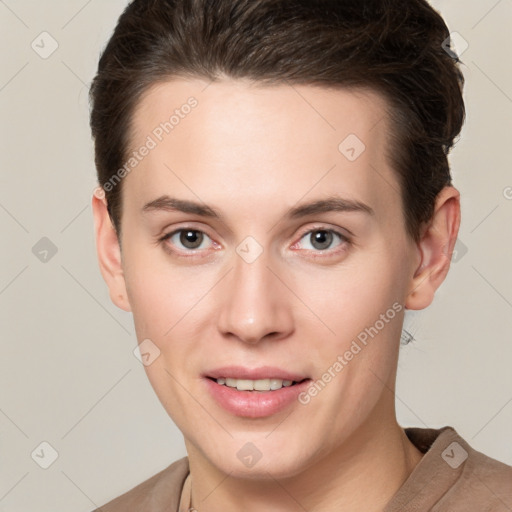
<point x="255" y="404"/>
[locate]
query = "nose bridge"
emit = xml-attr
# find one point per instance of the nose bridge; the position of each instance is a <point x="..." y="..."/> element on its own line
<point x="255" y="304"/>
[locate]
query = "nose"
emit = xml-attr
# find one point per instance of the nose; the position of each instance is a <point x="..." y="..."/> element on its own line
<point x="255" y="304"/>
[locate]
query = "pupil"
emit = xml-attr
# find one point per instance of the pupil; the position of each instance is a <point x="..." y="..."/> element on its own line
<point x="321" y="239"/>
<point x="191" y="239"/>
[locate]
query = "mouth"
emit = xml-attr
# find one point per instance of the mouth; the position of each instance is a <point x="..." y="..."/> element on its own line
<point x="262" y="385"/>
<point x="255" y="393"/>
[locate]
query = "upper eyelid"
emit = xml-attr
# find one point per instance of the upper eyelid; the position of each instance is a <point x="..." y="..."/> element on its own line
<point x="337" y="231"/>
<point x="168" y="234"/>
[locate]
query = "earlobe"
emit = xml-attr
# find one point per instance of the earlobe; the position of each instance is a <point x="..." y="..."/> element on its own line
<point x="435" y="247"/>
<point x="109" y="252"/>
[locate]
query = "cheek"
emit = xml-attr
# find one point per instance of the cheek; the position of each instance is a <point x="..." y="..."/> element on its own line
<point x="353" y="296"/>
<point x="171" y="307"/>
<point x="151" y="305"/>
<point x="160" y="293"/>
<point x="164" y="313"/>
<point x="361" y="304"/>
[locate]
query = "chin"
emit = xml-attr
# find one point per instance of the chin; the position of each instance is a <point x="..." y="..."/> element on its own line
<point x="251" y="463"/>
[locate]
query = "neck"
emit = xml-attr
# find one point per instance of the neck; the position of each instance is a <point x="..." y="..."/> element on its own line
<point x="363" y="473"/>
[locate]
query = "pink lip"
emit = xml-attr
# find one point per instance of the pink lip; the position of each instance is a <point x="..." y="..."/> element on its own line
<point x="263" y="372"/>
<point x="254" y="404"/>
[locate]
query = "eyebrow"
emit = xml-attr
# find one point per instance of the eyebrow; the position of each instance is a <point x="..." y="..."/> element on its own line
<point x="330" y="204"/>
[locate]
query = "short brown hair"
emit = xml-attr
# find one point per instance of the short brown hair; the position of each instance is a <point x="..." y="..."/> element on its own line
<point x="394" y="47"/>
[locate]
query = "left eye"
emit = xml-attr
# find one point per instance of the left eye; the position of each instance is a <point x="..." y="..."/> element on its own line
<point x="322" y="239"/>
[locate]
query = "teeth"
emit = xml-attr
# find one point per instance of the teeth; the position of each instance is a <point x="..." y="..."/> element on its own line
<point x="244" y="385"/>
<point x="262" y="385"/>
<point x="275" y="384"/>
<point x="254" y="385"/>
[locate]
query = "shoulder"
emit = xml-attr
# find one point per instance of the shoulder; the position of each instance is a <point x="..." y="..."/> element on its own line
<point x="159" y="493"/>
<point x="484" y="480"/>
<point x="453" y="476"/>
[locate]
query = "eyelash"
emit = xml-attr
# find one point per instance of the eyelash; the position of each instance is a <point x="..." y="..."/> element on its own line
<point x="344" y="240"/>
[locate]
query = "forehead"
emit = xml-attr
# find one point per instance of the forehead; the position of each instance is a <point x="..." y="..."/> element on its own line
<point x="277" y="142"/>
<point x="234" y="108"/>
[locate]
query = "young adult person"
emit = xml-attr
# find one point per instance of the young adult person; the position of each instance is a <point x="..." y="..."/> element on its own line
<point x="274" y="194"/>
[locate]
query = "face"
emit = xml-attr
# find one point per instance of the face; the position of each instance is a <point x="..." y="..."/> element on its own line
<point x="264" y="242"/>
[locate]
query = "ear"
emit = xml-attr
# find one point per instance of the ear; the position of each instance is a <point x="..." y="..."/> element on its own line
<point x="435" y="249"/>
<point x="109" y="251"/>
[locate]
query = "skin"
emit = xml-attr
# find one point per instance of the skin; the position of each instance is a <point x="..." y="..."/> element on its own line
<point x="252" y="152"/>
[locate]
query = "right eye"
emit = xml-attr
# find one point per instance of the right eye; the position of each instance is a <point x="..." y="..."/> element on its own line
<point x="189" y="239"/>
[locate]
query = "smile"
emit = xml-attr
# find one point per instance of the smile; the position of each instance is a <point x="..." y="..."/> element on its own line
<point x="255" y="385"/>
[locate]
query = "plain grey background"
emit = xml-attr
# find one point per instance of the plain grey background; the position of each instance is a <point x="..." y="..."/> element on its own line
<point x="68" y="374"/>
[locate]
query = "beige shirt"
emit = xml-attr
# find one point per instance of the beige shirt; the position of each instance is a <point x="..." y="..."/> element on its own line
<point x="451" y="477"/>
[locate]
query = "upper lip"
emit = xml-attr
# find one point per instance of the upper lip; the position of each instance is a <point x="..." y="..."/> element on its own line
<point x="262" y="372"/>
